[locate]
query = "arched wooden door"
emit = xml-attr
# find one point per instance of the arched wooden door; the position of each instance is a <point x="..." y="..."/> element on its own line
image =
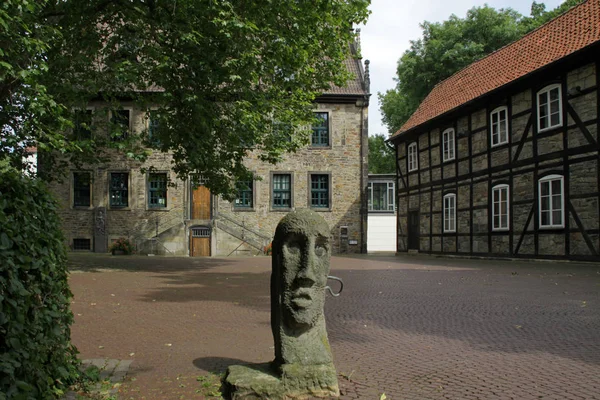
<point x="200" y="241"/>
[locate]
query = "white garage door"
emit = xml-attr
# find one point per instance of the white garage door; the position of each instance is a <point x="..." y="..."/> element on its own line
<point x="381" y="232"/>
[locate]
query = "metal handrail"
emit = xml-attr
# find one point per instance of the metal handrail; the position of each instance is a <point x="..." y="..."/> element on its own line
<point x="243" y="226"/>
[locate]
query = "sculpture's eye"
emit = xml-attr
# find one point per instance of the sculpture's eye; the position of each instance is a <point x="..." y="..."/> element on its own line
<point x="292" y="247"/>
<point x="320" y="250"/>
<point x="320" y="247"/>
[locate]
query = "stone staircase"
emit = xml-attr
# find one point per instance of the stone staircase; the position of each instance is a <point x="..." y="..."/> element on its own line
<point x="152" y="237"/>
<point x="237" y="228"/>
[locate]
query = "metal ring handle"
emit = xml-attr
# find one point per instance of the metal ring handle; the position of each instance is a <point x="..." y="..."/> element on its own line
<point x="335" y="278"/>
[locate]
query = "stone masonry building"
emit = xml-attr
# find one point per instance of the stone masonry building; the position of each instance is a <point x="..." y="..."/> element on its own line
<point x="502" y="158"/>
<point x="162" y="214"/>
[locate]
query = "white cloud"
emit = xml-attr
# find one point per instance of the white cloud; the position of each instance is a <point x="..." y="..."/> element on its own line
<point x="394" y="23"/>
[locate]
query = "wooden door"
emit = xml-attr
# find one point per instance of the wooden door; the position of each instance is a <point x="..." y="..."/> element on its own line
<point x="201" y="203"/>
<point x="413" y="230"/>
<point x="200" y="241"/>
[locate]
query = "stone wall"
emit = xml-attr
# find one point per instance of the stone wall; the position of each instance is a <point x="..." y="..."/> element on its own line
<point x="342" y="161"/>
<point x="569" y="151"/>
<point x="137" y="222"/>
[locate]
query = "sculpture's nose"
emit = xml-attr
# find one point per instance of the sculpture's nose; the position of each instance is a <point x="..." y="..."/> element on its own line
<point x="307" y="270"/>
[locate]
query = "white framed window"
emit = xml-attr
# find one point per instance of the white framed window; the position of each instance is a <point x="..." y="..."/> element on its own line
<point x="500" y="201"/>
<point x="413" y="157"/>
<point x="549" y="105"/>
<point x="499" y="126"/>
<point x="381" y="196"/>
<point x="450" y="213"/>
<point x="552" y="202"/>
<point x="448" y="144"/>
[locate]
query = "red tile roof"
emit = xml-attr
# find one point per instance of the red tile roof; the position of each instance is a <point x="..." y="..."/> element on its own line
<point x="572" y="31"/>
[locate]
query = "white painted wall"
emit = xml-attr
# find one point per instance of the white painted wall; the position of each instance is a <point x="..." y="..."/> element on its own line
<point x="381" y="232"/>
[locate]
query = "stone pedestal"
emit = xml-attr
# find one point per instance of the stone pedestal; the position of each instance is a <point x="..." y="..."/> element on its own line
<point x="291" y="381"/>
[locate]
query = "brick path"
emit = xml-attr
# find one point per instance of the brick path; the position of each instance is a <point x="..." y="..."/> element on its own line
<point x="412" y="327"/>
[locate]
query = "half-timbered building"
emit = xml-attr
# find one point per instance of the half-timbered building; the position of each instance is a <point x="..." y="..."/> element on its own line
<point x="502" y="158"/>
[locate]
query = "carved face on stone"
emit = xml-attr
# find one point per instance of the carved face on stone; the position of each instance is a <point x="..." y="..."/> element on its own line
<point x="305" y="255"/>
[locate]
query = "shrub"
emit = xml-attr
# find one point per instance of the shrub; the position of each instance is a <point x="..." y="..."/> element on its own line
<point x="122" y="244"/>
<point x="37" y="360"/>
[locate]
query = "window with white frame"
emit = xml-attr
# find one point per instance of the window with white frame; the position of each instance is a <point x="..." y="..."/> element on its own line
<point x="549" y="105"/>
<point x="380" y="196"/>
<point x="413" y="157"/>
<point x="552" y="204"/>
<point x="450" y="213"/>
<point x="499" y="126"/>
<point x="500" y="207"/>
<point x="448" y="144"/>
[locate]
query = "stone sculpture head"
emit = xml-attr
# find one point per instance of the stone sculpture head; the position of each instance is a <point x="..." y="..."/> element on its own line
<point x="301" y="254"/>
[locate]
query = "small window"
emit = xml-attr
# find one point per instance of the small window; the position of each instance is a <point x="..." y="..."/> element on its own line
<point x="82" y="244"/>
<point x="413" y="157"/>
<point x="500" y="200"/>
<point x="120" y="125"/>
<point x="380" y="196"/>
<point x="319" y="191"/>
<point x="82" y="189"/>
<point x="320" y="130"/>
<point x="499" y="126"/>
<point x="450" y="213"/>
<point x="448" y="144"/>
<point x="201" y="232"/>
<point x="83" y="124"/>
<point x="157" y="190"/>
<point x="153" y="127"/>
<point x="119" y="189"/>
<point x="552" y="202"/>
<point x="282" y="191"/>
<point x="244" y="197"/>
<point x="549" y="107"/>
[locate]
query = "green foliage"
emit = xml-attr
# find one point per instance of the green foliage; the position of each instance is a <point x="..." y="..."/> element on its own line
<point x="236" y="76"/>
<point x="37" y="360"/>
<point x="449" y="46"/>
<point x="381" y="156"/>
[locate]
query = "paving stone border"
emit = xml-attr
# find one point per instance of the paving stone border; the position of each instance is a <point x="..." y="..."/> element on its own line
<point x="112" y="369"/>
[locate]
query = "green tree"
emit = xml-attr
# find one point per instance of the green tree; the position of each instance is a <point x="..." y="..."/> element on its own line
<point x="223" y="78"/>
<point x="381" y="156"/>
<point x="447" y="47"/>
<point x="234" y="76"/>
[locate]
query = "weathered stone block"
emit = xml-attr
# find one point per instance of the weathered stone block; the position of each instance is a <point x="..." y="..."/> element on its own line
<point x="521" y="101"/>
<point x="552" y="244"/>
<point x="449" y="244"/>
<point x="478" y="119"/>
<point x="479" y="142"/>
<point x="464" y="244"/>
<point x="583" y="77"/>
<point x="500" y="244"/>
<point x="480" y="221"/>
<point x="550" y="144"/>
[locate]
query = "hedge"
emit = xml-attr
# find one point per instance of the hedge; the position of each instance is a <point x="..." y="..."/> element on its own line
<point x="37" y="360"/>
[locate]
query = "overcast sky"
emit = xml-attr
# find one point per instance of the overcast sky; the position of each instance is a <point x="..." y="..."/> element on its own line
<point x="394" y="23"/>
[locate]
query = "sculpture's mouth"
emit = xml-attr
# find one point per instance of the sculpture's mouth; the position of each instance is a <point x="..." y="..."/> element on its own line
<point x="302" y="298"/>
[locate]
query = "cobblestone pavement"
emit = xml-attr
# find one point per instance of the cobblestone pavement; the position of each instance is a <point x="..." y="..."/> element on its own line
<point x="410" y="327"/>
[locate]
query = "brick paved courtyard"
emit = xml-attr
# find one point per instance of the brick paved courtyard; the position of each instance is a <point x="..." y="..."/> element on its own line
<point x="411" y="327"/>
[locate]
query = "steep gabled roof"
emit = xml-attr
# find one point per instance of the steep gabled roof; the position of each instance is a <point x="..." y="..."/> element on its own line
<point x="356" y="85"/>
<point x="564" y="35"/>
